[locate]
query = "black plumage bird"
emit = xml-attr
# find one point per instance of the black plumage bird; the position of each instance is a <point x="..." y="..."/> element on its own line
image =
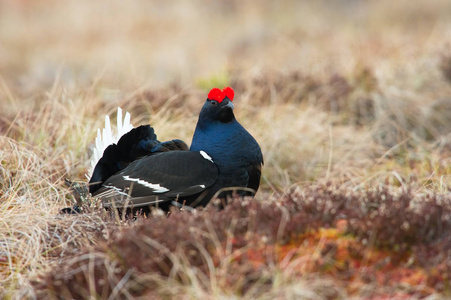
<point x="141" y="171"/>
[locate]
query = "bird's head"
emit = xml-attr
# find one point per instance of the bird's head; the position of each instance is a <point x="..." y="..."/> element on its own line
<point x="219" y="106"/>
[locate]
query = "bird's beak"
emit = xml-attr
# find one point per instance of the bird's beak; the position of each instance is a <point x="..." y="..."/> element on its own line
<point x="230" y="104"/>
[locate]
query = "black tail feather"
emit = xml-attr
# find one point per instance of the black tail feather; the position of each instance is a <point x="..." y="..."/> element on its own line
<point x="137" y="143"/>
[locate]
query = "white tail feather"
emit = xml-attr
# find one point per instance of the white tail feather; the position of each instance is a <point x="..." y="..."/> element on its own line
<point x="105" y="137"/>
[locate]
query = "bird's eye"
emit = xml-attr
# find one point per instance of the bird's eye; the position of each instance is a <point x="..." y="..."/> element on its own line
<point x="214" y="103"/>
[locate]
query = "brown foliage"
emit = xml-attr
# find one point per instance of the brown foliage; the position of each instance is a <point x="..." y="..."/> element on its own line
<point x="245" y="237"/>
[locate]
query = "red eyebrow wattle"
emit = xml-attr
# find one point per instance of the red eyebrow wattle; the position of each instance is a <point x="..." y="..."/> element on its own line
<point x="218" y="95"/>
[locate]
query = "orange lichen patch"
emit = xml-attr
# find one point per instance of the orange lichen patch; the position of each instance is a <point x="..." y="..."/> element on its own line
<point x="329" y="251"/>
<point x="341" y="225"/>
<point x="256" y="257"/>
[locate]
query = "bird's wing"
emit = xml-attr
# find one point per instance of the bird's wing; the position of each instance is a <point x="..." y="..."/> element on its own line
<point x="255" y="172"/>
<point x="160" y="177"/>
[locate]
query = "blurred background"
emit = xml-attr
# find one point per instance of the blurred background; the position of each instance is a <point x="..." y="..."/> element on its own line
<point x="130" y="44"/>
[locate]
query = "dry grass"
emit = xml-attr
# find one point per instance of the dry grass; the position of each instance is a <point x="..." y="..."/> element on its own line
<point x="350" y="92"/>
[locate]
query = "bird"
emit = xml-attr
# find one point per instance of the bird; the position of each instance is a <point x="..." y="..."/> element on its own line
<point x="140" y="171"/>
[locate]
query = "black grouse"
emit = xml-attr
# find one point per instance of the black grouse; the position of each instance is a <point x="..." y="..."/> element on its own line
<point x="140" y="171"/>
